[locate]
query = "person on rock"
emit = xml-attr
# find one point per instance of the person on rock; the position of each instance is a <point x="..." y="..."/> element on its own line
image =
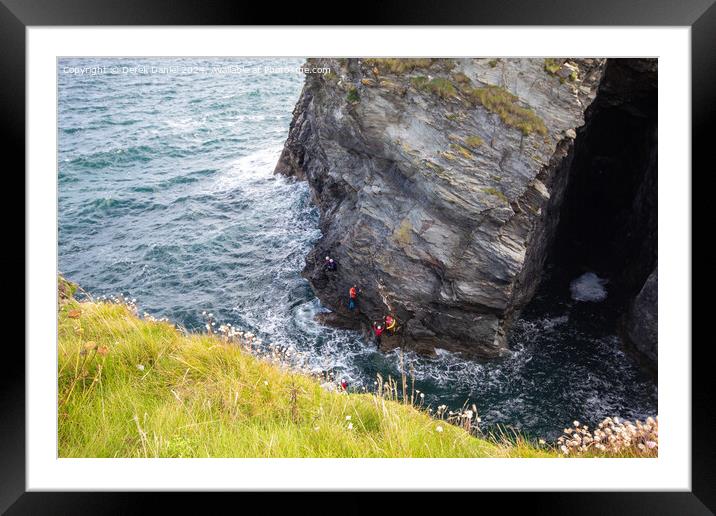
<point x="390" y="324"/>
<point x="353" y="297"/>
<point x="329" y="264"/>
<point x="378" y="331"/>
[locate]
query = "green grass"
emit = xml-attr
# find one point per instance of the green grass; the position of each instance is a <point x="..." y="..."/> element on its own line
<point x="419" y="82"/>
<point x="493" y="98"/>
<point x="352" y="96"/>
<point x="398" y="65"/>
<point x="137" y="387"/>
<point x="131" y="387"/>
<point x="552" y="66"/>
<point x="439" y="86"/>
<point x="500" y="101"/>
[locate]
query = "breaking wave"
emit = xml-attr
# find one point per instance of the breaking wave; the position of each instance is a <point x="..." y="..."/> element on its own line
<point x="589" y="287"/>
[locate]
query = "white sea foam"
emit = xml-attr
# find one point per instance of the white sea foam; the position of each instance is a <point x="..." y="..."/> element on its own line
<point x="589" y="287"/>
<point x="249" y="172"/>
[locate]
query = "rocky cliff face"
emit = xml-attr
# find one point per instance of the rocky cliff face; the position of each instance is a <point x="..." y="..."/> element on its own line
<point x="642" y="320"/>
<point x="439" y="183"/>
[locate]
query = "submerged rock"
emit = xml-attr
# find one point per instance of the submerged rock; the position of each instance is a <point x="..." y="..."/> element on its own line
<point x="438" y="183"/>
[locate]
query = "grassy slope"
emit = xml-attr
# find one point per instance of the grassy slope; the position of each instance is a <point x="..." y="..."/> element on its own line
<point x="199" y="397"/>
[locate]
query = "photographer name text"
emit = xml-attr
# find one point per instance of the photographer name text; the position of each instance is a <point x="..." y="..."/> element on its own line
<point x="190" y="70"/>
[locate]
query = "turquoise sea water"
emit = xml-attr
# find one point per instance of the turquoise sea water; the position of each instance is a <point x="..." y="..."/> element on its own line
<point x="166" y="195"/>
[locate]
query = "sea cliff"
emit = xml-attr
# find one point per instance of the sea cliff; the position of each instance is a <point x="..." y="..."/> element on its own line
<point x="440" y="184"/>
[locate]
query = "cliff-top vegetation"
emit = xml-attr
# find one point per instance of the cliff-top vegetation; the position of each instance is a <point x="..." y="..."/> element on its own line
<point x="131" y="386"/>
<point x="138" y="387"/>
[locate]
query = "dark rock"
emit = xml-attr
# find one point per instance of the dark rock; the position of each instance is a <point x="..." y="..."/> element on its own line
<point x="642" y="320"/>
<point x="339" y="321"/>
<point x="65" y="289"/>
<point x="440" y="203"/>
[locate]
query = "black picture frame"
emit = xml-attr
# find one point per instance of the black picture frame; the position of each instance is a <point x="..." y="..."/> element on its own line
<point x="17" y="15"/>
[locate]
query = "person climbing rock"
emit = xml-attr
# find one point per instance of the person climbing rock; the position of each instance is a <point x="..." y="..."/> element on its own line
<point x="344" y="384"/>
<point x="329" y="264"/>
<point x="378" y="331"/>
<point x="390" y="324"/>
<point x="353" y="297"/>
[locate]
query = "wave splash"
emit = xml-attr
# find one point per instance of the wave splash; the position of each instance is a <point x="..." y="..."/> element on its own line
<point x="589" y="287"/>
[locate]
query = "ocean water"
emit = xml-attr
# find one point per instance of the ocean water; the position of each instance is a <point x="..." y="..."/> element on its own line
<point x="166" y="195"/>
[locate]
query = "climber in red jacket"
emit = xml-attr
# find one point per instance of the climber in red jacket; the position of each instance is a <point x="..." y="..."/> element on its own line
<point x="353" y="297"/>
<point x="390" y="323"/>
<point x="377" y="330"/>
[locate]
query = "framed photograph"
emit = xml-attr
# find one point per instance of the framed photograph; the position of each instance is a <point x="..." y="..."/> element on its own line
<point x="443" y="249"/>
